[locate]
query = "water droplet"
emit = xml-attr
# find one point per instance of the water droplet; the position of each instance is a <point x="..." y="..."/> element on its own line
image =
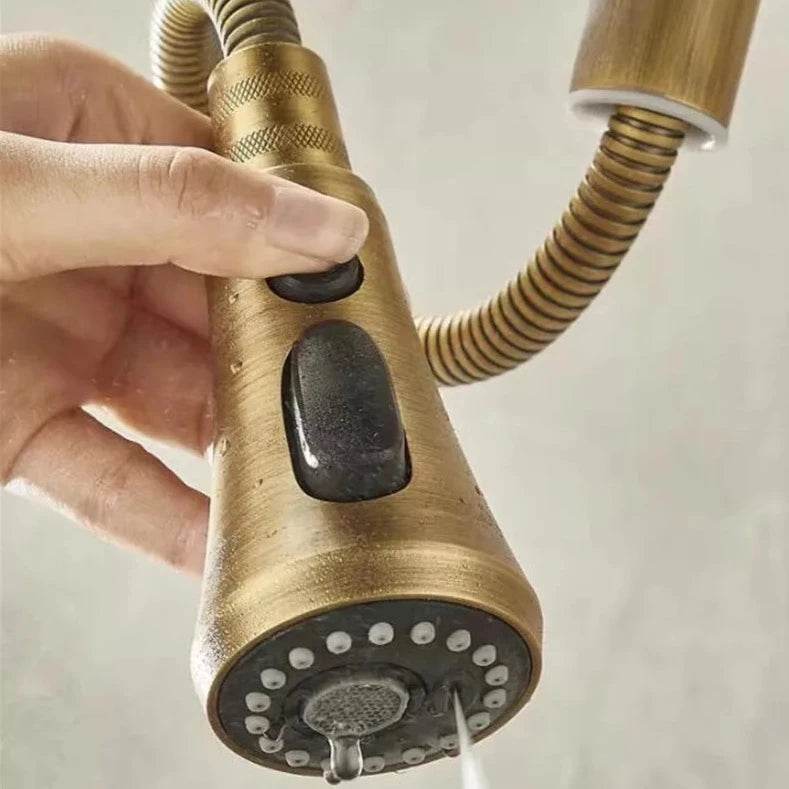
<point x="233" y="297"/>
<point x="236" y="366"/>
<point x="345" y="759"/>
<point x="224" y="445"/>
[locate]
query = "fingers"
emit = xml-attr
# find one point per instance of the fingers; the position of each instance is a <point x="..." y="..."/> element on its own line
<point x="152" y="374"/>
<point x="43" y="371"/>
<point x="75" y="206"/>
<point x="116" y="487"/>
<point x="176" y="295"/>
<point x="61" y="90"/>
<point x="158" y="380"/>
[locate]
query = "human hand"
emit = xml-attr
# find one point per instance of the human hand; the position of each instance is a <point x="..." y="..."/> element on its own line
<point x="102" y="301"/>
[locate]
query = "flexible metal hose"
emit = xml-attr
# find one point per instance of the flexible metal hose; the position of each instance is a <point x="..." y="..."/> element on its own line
<point x="577" y="259"/>
<point x="189" y="37"/>
<point x="580" y="255"/>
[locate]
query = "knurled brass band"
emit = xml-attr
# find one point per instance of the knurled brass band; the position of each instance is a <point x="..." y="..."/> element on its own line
<point x="272" y="104"/>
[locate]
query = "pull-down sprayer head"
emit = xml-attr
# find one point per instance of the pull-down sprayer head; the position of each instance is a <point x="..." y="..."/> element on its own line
<point x="355" y="579"/>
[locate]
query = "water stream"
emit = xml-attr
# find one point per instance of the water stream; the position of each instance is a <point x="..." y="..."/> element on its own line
<point x="471" y="776"/>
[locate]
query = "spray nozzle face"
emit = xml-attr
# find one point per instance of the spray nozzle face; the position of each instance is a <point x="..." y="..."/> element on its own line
<point x="369" y="688"/>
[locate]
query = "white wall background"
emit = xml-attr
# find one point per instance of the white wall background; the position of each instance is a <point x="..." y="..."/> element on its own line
<point x="640" y="466"/>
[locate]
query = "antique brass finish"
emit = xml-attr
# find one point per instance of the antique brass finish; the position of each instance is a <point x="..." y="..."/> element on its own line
<point x="277" y="556"/>
<point x="272" y="104"/>
<point x="280" y="559"/>
<point x="269" y="541"/>
<point x="691" y="52"/>
<point x="688" y="53"/>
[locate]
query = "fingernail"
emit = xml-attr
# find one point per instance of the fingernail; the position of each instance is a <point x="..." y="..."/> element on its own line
<point x="312" y="224"/>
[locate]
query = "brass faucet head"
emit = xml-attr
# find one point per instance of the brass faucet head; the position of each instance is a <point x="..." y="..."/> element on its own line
<point x="355" y="578"/>
<point x="368" y="607"/>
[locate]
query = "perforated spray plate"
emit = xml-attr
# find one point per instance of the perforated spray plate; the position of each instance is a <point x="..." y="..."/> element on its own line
<point x="356" y="706"/>
<point x="352" y="663"/>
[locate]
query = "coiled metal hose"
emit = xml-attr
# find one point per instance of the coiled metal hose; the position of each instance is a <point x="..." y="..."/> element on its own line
<point x="580" y="255"/>
<point x="577" y="259"/>
<point x="189" y="37"/>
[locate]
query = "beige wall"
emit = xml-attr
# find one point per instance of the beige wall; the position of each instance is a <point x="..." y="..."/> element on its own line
<point x="640" y="467"/>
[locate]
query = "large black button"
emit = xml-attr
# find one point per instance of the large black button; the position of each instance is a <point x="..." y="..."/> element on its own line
<point x="346" y="439"/>
<point x="332" y="285"/>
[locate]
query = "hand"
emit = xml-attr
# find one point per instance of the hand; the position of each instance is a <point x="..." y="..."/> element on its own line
<point x="102" y="251"/>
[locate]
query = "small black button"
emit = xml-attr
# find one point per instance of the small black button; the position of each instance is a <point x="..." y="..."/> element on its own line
<point x="346" y="439"/>
<point x="332" y="285"/>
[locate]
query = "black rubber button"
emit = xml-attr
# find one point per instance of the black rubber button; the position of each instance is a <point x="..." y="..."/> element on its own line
<point x="346" y="438"/>
<point x="332" y="285"/>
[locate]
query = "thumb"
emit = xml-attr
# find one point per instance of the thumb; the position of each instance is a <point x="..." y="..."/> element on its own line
<point x="67" y="206"/>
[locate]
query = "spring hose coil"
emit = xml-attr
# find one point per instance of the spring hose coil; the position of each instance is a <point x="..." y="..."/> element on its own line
<point x="189" y="37"/>
<point x="573" y="264"/>
<point x="580" y="255"/>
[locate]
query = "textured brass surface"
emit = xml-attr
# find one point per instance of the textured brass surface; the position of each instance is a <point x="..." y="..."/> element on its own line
<point x="275" y="555"/>
<point x="272" y="104"/>
<point x="689" y="51"/>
